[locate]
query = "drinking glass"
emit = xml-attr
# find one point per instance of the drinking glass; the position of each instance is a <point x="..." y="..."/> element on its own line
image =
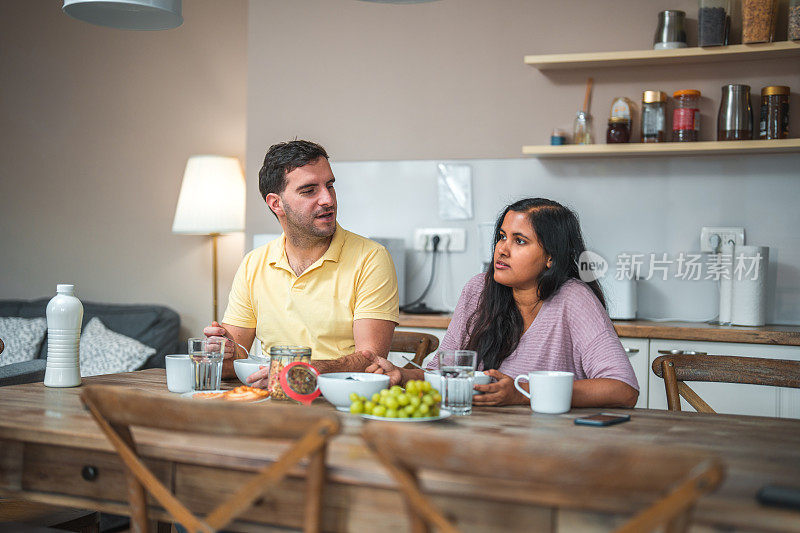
<point x="457" y="368"/>
<point x="206" y="362"/>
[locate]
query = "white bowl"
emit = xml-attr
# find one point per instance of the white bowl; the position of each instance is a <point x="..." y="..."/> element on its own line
<point x="245" y="367"/>
<point x="336" y="387"/>
<point x="480" y="379"/>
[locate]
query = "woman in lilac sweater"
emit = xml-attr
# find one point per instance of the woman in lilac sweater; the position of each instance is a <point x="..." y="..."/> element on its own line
<point x="530" y="311"/>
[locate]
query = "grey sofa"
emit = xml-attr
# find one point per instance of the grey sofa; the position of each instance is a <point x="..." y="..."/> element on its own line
<point x="154" y="325"/>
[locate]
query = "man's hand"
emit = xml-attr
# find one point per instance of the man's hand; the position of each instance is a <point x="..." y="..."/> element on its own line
<point x="501" y="392"/>
<point x="216" y="335"/>
<point x="381" y="365"/>
<point x="259" y="378"/>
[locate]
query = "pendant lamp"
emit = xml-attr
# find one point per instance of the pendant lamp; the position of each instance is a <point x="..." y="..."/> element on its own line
<point x="127" y="14"/>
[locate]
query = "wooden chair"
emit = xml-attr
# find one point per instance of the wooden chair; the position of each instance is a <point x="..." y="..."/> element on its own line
<point x="117" y="409"/>
<point x="674" y="369"/>
<point x="420" y="344"/>
<point x="556" y="471"/>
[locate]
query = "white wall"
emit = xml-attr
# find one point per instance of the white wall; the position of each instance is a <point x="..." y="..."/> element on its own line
<point x="638" y="205"/>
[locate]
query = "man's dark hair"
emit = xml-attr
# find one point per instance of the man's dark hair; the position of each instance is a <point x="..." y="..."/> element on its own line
<point x="281" y="159"/>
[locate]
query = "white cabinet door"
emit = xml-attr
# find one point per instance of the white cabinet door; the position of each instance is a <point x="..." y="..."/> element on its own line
<point x="638" y="351"/>
<point x="731" y="398"/>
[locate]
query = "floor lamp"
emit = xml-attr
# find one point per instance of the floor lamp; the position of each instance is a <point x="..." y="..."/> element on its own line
<point x="211" y="202"/>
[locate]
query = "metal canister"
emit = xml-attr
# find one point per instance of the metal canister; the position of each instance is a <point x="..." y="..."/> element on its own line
<point x="735" y="118"/>
<point x="670" y="32"/>
<point x="281" y="355"/>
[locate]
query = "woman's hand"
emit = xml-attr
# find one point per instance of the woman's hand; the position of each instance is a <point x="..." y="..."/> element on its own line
<point x="501" y="392"/>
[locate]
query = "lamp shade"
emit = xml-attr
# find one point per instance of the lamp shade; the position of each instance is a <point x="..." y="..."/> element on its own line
<point x="212" y="196"/>
<point x="127" y="14"/>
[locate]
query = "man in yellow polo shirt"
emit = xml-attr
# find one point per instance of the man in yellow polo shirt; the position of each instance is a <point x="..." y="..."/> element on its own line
<point x="317" y="285"/>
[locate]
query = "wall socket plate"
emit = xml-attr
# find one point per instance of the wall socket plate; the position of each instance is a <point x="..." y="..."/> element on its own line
<point x="725" y="234"/>
<point x="452" y="239"/>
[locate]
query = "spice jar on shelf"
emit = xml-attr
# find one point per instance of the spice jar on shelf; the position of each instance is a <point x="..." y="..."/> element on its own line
<point x="758" y="20"/>
<point x="794" y="20"/>
<point x="686" y="116"/>
<point x="619" y="130"/>
<point x="582" y="129"/>
<point x="654" y="108"/>
<point x="713" y="22"/>
<point x="774" y="122"/>
<point x="280" y="356"/>
<point x="735" y="119"/>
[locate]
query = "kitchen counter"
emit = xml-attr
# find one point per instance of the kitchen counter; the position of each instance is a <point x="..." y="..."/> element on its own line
<point x="691" y="331"/>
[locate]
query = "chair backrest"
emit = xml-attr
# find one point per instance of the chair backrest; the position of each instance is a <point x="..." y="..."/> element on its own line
<point x="675" y="369"/>
<point x="420" y="344"/>
<point x="116" y="409"/>
<point x="566" y="470"/>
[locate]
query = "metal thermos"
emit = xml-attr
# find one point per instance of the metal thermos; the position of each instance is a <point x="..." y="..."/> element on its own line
<point x="670" y="32"/>
<point x="735" y="119"/>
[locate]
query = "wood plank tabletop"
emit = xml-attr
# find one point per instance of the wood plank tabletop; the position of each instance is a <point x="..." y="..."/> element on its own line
<point x="787" y="335"/>
<point x="755" y="450"/>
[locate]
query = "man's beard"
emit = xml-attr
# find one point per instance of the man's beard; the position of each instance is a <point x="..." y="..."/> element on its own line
<point x="303" y="226"/>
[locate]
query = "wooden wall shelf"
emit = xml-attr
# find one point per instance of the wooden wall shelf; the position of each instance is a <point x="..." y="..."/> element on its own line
<point x="663" y="149"/>
<point x="735" y="52"/>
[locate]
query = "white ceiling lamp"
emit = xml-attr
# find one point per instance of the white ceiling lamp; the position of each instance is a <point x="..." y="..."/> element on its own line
<point x="127" y="14"/>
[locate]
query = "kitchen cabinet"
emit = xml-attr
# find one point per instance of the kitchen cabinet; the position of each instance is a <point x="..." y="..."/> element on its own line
<point x="638" y="351"/>
<point x="730" y="398"/>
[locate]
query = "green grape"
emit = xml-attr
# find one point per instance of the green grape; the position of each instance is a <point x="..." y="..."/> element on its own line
<point x="376" y="398"/>
<point x="415" y="401"/>
<point x="354" y="397"/>
<point x="411" y="387"/>
<point x="391" y="403"/>
<point x="417" y="414"/>
<point x="369" y="406"/>
<point x="396" y="388"/>
<point x="403" y="400"/>
<point x="391" y="413"/>
<point x="428" y="400"/>
<point x="436" y="396"/>
<point x="357" y="408"/>
<point x="384" y="392"/>
<point x="409" y="409"/>
<point x="425" y="409"/>
<point x="402" y="414"/>
<point x="378" y="410"/>
<point x="426" y="386"/>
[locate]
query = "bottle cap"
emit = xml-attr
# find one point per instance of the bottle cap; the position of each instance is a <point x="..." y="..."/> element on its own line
<point x="772" y="90"/>
<point x="65" y="288"/>
<point x="650" y="97"/>
<point x="692" y="93"/>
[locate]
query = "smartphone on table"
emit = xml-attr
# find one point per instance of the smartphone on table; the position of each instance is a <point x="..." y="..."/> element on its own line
<point x="602" y="419"/>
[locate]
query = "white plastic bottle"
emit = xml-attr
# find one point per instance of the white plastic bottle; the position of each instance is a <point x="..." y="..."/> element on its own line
<point x="64" y="317"/>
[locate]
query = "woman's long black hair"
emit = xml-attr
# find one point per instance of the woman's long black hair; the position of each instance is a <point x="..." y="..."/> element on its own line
<point x="495" y="328"/>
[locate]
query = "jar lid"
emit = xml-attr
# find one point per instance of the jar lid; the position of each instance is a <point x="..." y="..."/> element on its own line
<point x="694" y="93"/>
<point x="299" y="381"/>
<point x="618" y="120"/>
<point x="774" y="89"/>
<point x="651" y="97"/>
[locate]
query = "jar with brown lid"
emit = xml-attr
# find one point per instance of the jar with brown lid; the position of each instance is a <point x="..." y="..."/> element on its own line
<point x="774" y="112"/>
<point x="686" y="116"/>
<point x="619" y="130"/>
<point x="654" y="107"/>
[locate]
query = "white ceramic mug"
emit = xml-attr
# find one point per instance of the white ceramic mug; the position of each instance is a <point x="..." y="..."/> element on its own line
<point x="179" y="372"/>
<point x="551" y="391"/>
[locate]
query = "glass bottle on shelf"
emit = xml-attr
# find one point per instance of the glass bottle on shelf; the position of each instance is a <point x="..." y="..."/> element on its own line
<point x="619" y="130"/>
<point x="582" y="130"/>
<point x="686" y="116"/>
<point x="774" y="123"/>
<point x="713" y="22"/>
<point x="654" y="119"/>
<point x="758" y="20"/>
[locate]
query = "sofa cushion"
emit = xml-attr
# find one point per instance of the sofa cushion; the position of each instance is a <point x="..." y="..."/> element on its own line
<point x="22" y="338"/>
<point x="106" y="352"/>
<point x="154" y="325"/>
<point x="26" y="372"/>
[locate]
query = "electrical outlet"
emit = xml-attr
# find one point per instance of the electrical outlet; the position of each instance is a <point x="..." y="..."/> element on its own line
<point x="451" y="239"/>
<point x="725" y="234"/>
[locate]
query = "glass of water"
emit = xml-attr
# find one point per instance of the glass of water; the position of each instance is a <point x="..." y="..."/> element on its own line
<point x="457" y="368"/>
<point x="206" y="358"/>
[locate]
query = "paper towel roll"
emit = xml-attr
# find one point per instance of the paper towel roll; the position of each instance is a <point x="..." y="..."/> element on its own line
<point x="726" y="285"/>
<point x="749" y="299"/>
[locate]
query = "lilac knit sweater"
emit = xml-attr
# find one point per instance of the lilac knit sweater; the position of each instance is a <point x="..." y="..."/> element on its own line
<point x="572" y="332"/>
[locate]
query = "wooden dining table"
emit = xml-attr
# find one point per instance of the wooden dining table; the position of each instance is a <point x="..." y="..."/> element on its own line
<point x="51" y="451"/>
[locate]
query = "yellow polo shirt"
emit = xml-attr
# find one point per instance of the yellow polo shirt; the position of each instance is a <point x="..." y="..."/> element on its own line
<point x="354" y="279"/>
